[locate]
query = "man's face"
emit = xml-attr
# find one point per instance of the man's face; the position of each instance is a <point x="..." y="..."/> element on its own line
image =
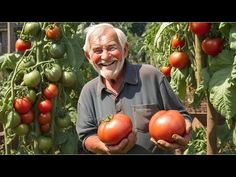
<point x="106" y="54"/>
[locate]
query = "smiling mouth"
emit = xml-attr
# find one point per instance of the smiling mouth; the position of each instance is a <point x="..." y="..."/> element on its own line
<point x="107" y="64"/>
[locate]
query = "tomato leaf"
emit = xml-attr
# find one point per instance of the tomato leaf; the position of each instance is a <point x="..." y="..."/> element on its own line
<point x="222" y="87"/>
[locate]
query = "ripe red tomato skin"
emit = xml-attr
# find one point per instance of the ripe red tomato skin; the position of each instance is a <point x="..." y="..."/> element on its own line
<point x="166" y="70"/>
<point x="53" y="33"/>
<point x="27" y="118"/>
<point x="51" y="91"/>
<point x="113" y="131"/>
<point x="199" y="28"/>
<point x="179" y="59"/>
<point x="164" y="124"/>
<point x="22" y="105"/>
<point x="45" y="106"/>
<point x="212" y="46"/>
<point x="45" y="128"/>
<point x="44" y="118"/>
<point x="22" y="45"/>
<point x="177" y="42"/>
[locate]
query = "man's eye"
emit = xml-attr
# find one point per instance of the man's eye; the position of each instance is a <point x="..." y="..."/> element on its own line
<point x="97" y="51"/>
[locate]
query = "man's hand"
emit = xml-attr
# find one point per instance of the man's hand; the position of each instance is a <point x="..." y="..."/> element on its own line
<point x="124" y="146"/>
<point x="179" y="141"/>
<point x="93" y="144"/>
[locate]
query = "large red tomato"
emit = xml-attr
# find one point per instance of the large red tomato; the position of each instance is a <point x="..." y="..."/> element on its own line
<point x="199" y="28"/>
<point x="113" y="129"/>
<point x="164" y="124"/>
<point x="179" y="59"/>
<point x="176" y="41"/>
<point x="212" y="46"/>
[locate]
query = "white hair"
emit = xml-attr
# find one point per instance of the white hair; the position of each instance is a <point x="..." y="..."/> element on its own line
<point x="98" y="29"/>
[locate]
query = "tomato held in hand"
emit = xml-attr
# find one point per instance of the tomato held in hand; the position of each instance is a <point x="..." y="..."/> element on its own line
<point x="212" y="46"/>
<point x="115" y="128"/>
<point x="164" y="124"/>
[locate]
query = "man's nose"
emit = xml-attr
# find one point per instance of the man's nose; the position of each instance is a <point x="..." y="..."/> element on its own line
<point x="105" y="55"/>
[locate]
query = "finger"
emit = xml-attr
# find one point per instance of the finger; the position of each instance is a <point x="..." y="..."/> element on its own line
<point x="183" y="141"/>
<point x="167" y="146"/>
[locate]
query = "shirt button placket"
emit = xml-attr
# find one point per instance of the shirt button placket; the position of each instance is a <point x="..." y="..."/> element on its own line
<point x="118" y="105"/>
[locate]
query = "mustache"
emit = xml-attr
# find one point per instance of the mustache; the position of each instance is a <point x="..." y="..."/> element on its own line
<point x="104" y="62"/>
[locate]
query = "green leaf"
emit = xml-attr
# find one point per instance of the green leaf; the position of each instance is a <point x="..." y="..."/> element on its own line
<point x="222" y="91"/>
<point x="178" y="82"/>
<point x="232" y="37"/>
<point x="161" y="29"/>
<point x="224" y="59"/>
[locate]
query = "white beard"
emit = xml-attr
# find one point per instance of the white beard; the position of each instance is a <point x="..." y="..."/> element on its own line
<point x="110" y="74"/>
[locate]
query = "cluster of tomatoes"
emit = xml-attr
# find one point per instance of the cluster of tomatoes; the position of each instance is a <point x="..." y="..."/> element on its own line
<point x="180" y="59"/>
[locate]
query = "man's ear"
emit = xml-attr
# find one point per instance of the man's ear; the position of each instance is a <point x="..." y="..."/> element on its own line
<point x="87" y="55"/>
<point x="126" y="49"/>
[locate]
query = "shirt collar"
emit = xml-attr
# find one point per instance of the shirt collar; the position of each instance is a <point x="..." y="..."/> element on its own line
<point x="130" y="77"/>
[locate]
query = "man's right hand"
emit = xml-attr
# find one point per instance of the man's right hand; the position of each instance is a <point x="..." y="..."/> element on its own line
<point x="96" y="146"/>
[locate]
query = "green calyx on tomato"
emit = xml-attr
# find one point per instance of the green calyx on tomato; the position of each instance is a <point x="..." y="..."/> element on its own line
<point x="53" y="73"/>
<point x="32" y="28"/>
<point x="113" y="129"/>
<point x="57" y="50"/>
<point x="32" y="79"/>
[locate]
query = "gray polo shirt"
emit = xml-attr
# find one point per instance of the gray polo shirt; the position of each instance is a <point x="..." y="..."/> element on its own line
<point x="144" y="91"/>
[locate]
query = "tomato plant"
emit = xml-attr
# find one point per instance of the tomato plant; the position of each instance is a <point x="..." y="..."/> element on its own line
<point x="32" y="79"/>
<point x="57" y="50"/>
<point x="212" y="46"/>
<point x="199" y="28"/>
<point x="44" y="143"/>
<point x="115" y="128"/>
<point x="22" y="105"/>
<point x="22" y="129"/>
<point x="22" y="45"/>
<point x="179" y="59"/>
<point x="53" y="73"/>
<point x="44" y="118"/>
<point x="13" y="118"/>
<point x="166" y="70"/>
<point x="31" y="95"/>
<point x="177" y="41"/>
<point x="63" y="122"/>
<point x="68" y="78"/>
<point x="27" y="118"/>
<point x="164" y="124"/>
<point x="32" y="28"/>
<point x="45" y="106"/>
<point x="50" y="91"/>
<point x="53" y="32"/>
<point x="45" y="128"/>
